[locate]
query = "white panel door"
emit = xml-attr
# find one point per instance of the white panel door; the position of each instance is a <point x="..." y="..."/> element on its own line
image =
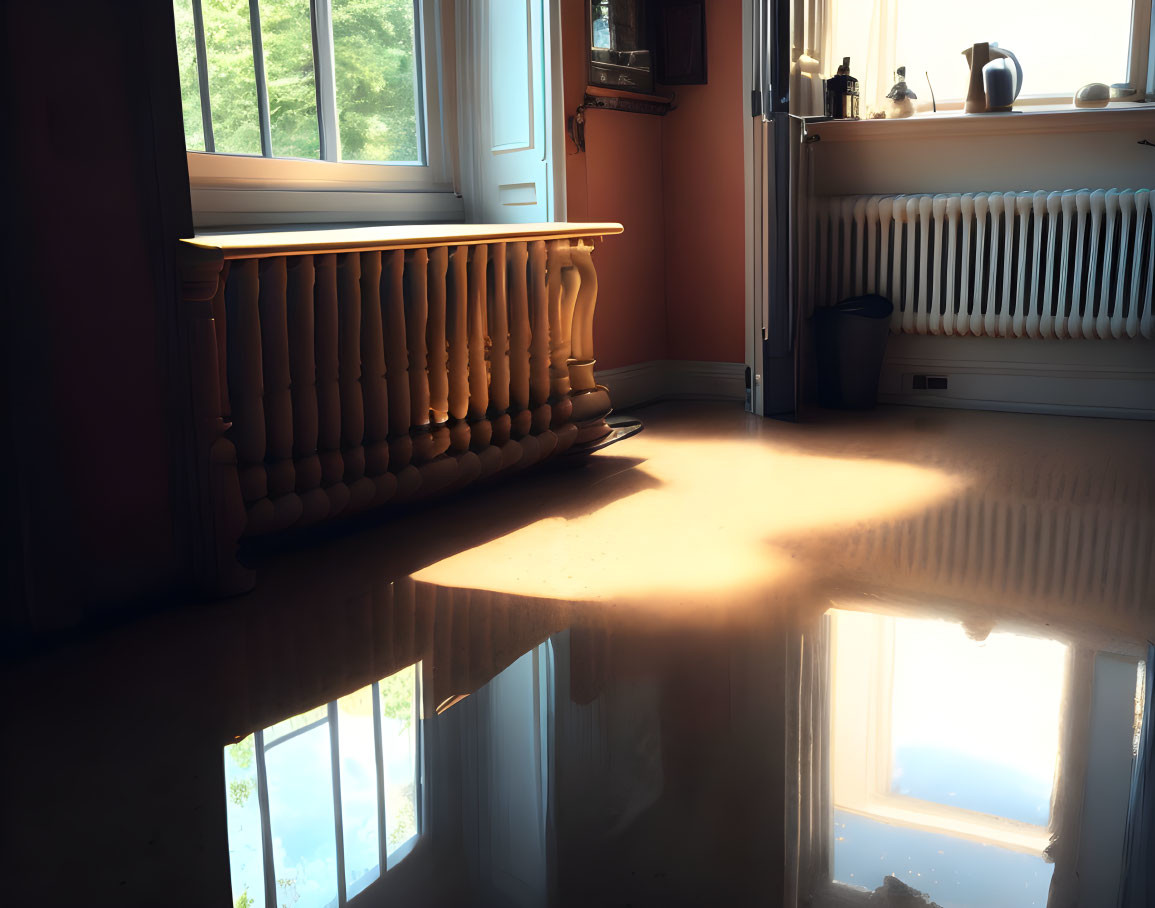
<point x="512" y="73"/>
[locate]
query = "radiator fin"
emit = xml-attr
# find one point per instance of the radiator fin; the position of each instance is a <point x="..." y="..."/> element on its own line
<point x="1077" y="263"/>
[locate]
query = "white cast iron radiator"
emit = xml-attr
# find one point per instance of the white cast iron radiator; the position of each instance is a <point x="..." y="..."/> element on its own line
<point x="331" y="372"/>
<point x="1077" y="263"/>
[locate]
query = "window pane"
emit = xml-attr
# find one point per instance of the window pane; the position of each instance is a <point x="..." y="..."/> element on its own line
<point x="287" y="37"/>
<point x="232" y="80"/>
<point x="300" y="781"/>
<point x="1059" y="46"/>
<point x="246" y="856"/>
<point x="358" y="789"/>
<point x="291" y="724"/>
<point x="976" y="725"/>
<point x="190" y="96"/>
<point x="376" y="73"/>
<point x="399" y="729"/>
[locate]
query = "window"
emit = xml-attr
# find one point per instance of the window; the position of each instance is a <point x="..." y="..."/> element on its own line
<point x="1060" y="46"/>
<point x="319" y="803"/>
<point x="306" y="95"/>
<point x="945" y="762"/>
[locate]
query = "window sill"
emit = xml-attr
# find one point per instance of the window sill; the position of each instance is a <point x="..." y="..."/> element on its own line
<point x="230" y="191"/>
<point x="936" y="818"/>
<point x="215" y="208"/>
<point x="1019" y="122"/>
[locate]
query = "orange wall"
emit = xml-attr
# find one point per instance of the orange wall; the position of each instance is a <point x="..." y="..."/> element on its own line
<point x="702" y="175"/>
<point x="672" y="286"/>
<point x="618" y="178"/>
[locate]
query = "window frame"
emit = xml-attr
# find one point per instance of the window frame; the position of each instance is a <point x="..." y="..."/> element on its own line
<point x="1069" y="828"/>
<point x="232" y="190"/>
<point x="386" y="860"/>
<point x="865" y="779"/>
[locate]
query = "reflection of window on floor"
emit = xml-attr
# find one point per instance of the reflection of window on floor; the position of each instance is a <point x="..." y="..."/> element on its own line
<point x="944" y="752"/>
<point x="318" y="804"/>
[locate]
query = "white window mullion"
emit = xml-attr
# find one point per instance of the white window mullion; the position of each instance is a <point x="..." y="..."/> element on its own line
<point x="324" y="68"/>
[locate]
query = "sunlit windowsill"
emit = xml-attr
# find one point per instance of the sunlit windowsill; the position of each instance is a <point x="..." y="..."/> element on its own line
<point x="988" y="830"/>
<point x="1021" y="121"/>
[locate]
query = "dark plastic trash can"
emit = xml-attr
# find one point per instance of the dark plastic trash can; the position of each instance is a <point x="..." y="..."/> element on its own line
<point x="851" y="338"/>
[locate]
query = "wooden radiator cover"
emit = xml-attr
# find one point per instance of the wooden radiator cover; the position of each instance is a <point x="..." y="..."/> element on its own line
<point x="335" y="371"/>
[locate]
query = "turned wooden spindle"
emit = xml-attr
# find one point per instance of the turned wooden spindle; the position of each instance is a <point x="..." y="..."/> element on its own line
<point x="457" y="331"/>
<point x="329" y="383"/>
<point x="375" y="393"/>
<point x="591" y="401"/>
<point x="397" y="373"/>
<point x="581" y="366"/>
<point x="481" y="429"/>
<point x="280" y="470"/>
<point x="397" y="361"/>
<point x="349" y="372"/>
<point x="438" y="345"/>
<point x="556" y="262"/>
<point x="539" y="335"/>
<point x="416" y="325"/>
<point x="457" y="336"/>
<point x="275" y="376"/>
<point x="497" y="316"/>
<point x="477" y="333"/>
<point x="303" y="387"/>
<point x="519" y="335"/>
<point x="216" y="507"/>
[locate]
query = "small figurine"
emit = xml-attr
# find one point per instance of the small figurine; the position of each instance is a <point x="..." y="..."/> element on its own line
<point x="900" y="97"/>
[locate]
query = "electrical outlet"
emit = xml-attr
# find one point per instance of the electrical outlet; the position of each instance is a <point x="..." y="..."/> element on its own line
<point x="929" y="382"/>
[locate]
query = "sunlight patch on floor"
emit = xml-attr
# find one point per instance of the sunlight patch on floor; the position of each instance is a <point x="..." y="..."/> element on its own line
<point x="715" y="525"/>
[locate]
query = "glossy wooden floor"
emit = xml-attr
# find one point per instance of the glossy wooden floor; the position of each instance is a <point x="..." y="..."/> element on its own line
<point x="668" y="572"/>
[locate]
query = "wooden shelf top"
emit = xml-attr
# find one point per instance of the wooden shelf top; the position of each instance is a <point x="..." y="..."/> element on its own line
<point x="408" y="236"/>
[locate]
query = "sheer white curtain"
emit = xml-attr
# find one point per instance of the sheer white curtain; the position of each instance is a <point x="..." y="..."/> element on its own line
<point x="864" y="30"/>
<point x="1060" y="48"/>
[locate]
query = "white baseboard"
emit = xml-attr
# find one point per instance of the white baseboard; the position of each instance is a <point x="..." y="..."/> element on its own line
<point x="1111" y="378"/>
<point x="662" y="379"/>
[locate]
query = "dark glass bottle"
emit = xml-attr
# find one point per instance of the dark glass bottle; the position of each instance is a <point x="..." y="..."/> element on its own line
<point x="842" y="94"/>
